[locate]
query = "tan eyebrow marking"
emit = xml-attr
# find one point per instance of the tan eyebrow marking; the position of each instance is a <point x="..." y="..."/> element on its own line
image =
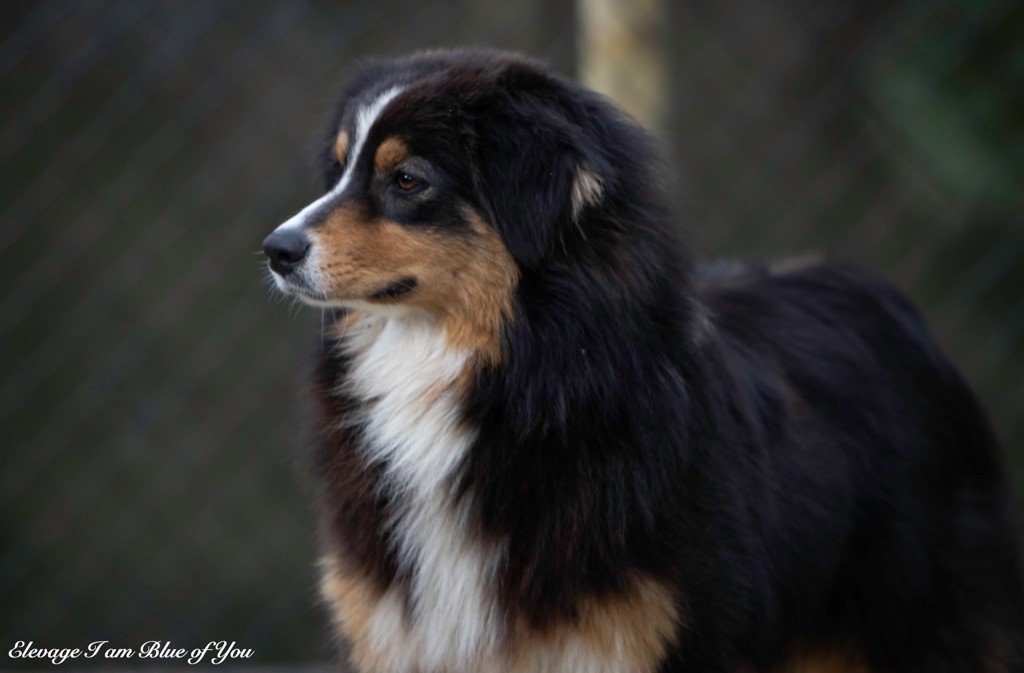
<point x="341" y="146"/>
<point x="390" y="153"/>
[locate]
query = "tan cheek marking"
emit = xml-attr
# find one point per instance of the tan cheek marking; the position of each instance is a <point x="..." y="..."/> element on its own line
<point x="481" y="278"/>
<point x="351" y="599"/>
<point x="389" y="154"/>
<point x="468" y="282"/>
<point x="627" y="632"/>
<point x="341" y="146"/>
<point x="357" y="256"/>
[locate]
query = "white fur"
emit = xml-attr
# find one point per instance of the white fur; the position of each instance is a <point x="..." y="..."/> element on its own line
<point x="364" y="122"/>
<point x="309" y="273"/>
<point x="587" y="190"/>
<point x="403" y="369"/>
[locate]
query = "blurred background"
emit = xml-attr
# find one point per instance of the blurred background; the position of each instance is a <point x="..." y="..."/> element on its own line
<point x="151" y="414"/>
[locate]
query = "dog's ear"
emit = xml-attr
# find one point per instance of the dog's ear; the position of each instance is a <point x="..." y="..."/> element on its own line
<point x="529" y="173"/>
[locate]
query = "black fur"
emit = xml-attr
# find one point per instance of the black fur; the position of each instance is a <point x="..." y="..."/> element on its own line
<point x="787" y="447"/>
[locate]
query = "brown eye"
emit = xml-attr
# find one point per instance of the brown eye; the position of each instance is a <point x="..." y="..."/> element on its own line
<point x="406" y="182"/>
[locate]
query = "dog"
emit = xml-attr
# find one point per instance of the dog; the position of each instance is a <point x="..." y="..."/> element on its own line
<point x="550" y="442"/>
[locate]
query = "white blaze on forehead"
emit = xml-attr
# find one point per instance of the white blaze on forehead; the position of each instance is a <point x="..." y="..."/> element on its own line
<point x="364" y="122"/>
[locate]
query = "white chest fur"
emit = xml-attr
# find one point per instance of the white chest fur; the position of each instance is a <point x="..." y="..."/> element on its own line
<point x="404" y="371"/>
<point x="406" y="375"/>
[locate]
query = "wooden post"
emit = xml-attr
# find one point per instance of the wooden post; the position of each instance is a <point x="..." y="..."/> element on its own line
<point x="622" y="54"/>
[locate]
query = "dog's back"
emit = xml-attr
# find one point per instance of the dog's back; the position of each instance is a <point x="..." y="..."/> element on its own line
<point x="885" y="510"/>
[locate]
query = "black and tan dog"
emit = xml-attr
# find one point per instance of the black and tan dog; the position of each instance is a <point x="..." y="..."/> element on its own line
<point x="551" y="443"/>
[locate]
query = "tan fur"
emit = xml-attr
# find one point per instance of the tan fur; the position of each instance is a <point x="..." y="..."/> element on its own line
<point x="618" y="634"/>
<point x="346" y="322"/>
<point x="465" y="281"/>
<point x="389" y="154"/>
<point x="823" y="662"/>
<point x="341" y="147"/>
<point x="351" y="599"/>
<point x="622" y="634"/>
<point x="997" y="657"/>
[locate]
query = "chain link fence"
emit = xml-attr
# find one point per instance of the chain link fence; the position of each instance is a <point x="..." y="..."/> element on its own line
<point x="151" y="410"/>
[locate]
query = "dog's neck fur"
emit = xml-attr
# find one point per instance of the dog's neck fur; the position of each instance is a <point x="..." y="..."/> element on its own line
<point x="404" y="374"/>
<point x="446" y="612"/>
<point x="418" y="406"/>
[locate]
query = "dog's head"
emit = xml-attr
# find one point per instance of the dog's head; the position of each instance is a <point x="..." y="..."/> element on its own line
<point x="449" y="175"/>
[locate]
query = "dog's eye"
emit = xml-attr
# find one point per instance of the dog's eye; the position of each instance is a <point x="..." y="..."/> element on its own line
<point x="406" y="182"/>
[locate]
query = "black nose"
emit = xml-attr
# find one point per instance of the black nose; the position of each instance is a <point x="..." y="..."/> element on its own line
<point x="285" y="249"/>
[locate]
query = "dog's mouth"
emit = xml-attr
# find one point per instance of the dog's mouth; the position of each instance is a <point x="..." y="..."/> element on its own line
<point x="298" y="286"/>
<point x="295" y="285"/>
<point x="394" y="290"/>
